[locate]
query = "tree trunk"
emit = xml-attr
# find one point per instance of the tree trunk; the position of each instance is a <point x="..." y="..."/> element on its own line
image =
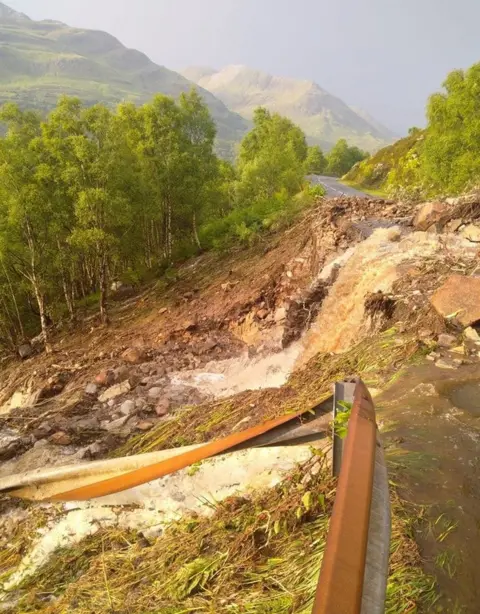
<point x="36" y="287"/>
<point x="66" y="290"/>
<point x="43" y="316"/>
<point x="195" y="231"/>
<point x="14" y="299"/>
<point x="103" y="290"/>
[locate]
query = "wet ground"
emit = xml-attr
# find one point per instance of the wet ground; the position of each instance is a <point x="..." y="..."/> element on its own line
<point x="431" y="424"/>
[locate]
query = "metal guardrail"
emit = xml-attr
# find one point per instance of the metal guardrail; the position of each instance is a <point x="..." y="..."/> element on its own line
<point x="355" y="563"/>
<point x="354" y="571"/>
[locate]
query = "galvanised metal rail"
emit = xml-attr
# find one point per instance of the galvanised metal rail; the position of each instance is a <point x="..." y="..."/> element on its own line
<point x="355" y="563"/>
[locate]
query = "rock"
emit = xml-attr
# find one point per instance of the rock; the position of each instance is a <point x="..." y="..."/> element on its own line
<point x="145" y="425"/>
<point x="280" y="315"/>
<point x="54" y="386"/>
<point x="471" y="333"/>
<point x="120" y="374"/>
<point x="189" y="325"/>
<point x="115" y="391"/>
<point x="115" y="425"/>
<point x="163" y="310"/>
<point x="394" y="235"/>
<point x="454" y="225"/>
<point x="428" y="214"/>
<point x="140" y="403"/>
<point x="446" y="341"/>
<point x="155" y="392"/>
<point x="460" y="297"/>
<point x="262" y="314"/>
<point x="25" y="351"/>
<point x="43" y="430"/>
<point x="446" y="363"/>
<point x="60" y="438"/>
<point x="95" y="449"/>
<point x="105" y="378"/>
<point x="471" y="233"/>
<point x="162" y="407"/>
<point x="127" y="408"/>
<point x="134" y="356"/>
<point x="87" y="424"/>
<point x="91" y="389"/>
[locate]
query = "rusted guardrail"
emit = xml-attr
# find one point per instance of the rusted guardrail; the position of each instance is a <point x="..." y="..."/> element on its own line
<point x="355" y="564"/>
<point x="354" y="570"/>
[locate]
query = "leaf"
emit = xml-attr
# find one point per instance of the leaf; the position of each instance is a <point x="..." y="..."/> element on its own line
<point x="307" y="501"/>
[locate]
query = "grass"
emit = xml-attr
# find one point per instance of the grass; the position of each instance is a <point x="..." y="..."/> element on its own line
<point x="253" y="554"/>
<point x="258" y="554"/>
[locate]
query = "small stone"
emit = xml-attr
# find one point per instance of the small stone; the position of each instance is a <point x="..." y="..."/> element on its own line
<point x="446" y="363"/>
<point x="115" y="425"/>
<point x="127" y="407"/>
<point x="262" y="313"/>
<point x="140" y="403"/>
<point x="471" y="333"/>
<point x="155" y="392"/>
<point x="134" y="356"/>
<point x="446" y="341"/>
<point x="280" y="315"/>
<point x="91" y="389"/>
<point x="115" y="391"/>
<point x="460" y="349"/>
<point x="87" y="424"/>
<point x="162" y="407"/>
<point x="105" y="378"/>
<point x="144" y="425"/>
<point x="471" y="233"/>
<point x="25" y="351"/>
<point x="95" y="449"/>
<point x="111" y="403"/>
<point x="60" y="439"/>
<point x="163" y="310"/>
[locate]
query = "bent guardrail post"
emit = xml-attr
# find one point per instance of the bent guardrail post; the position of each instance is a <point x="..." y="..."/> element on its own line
<point x="343" y="393"/>
<point x="354" y="570"/>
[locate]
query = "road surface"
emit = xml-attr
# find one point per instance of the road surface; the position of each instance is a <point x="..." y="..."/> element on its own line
<point x="334" y="187"/>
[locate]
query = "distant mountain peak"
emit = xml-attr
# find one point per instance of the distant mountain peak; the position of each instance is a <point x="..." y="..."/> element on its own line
<point x="323" y="117"/>
<point x="9" y="14"/>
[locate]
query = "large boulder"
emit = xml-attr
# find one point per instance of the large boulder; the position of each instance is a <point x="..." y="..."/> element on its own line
<point x="429" y="214"/>
<point x="459" y="297"/>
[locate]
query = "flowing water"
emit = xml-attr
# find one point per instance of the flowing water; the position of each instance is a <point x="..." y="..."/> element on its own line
<point x="432" y="419"/>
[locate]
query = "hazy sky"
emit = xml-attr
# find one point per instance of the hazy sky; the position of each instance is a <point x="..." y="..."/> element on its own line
<point x="385" y="56"/>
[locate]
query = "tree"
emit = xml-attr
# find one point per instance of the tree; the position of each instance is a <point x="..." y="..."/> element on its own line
<point x="27" y="212"/>
<point x="315" y="163"/>
<point x="342" y="157"/>
<point x="451" y="153"/>
<point x="272" y="158"/>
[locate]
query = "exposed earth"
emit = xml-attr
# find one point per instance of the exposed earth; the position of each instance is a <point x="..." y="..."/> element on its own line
<point x="381" y="289"/>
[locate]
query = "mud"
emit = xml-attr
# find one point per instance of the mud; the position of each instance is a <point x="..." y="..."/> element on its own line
<point x="432" y="449"/>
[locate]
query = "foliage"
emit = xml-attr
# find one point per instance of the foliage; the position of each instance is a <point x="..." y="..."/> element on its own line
<point x="342" y="157"/>
<point x="316" y="162"/>
<point x="89" y="195"/>
<point x="443" y="159"/>
<point x="452" y="147"/>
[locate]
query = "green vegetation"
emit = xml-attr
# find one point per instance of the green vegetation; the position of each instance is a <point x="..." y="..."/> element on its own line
<point x="443" y="159"/>
<point x="89" y="195"/>
<point x="259" y="553"/>
<point x="342" y="157"/>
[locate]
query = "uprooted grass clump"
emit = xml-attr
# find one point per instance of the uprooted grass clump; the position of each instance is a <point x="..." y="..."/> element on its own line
<point x="256" y="554"/>
<point x="375" y="360"/>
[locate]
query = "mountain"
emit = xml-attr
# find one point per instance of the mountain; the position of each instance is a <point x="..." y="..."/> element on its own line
<point x="323" y="117"/>
<point x="40" y="60"/>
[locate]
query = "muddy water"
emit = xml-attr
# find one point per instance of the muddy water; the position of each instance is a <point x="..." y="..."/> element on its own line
<point x="432" y="423"/>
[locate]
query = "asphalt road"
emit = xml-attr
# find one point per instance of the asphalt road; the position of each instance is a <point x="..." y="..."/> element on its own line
<point x="334" y="187"/>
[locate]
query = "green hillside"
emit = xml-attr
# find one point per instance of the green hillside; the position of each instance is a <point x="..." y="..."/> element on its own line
<point x="41" y="60"/>
<point x="389" y="167"/>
